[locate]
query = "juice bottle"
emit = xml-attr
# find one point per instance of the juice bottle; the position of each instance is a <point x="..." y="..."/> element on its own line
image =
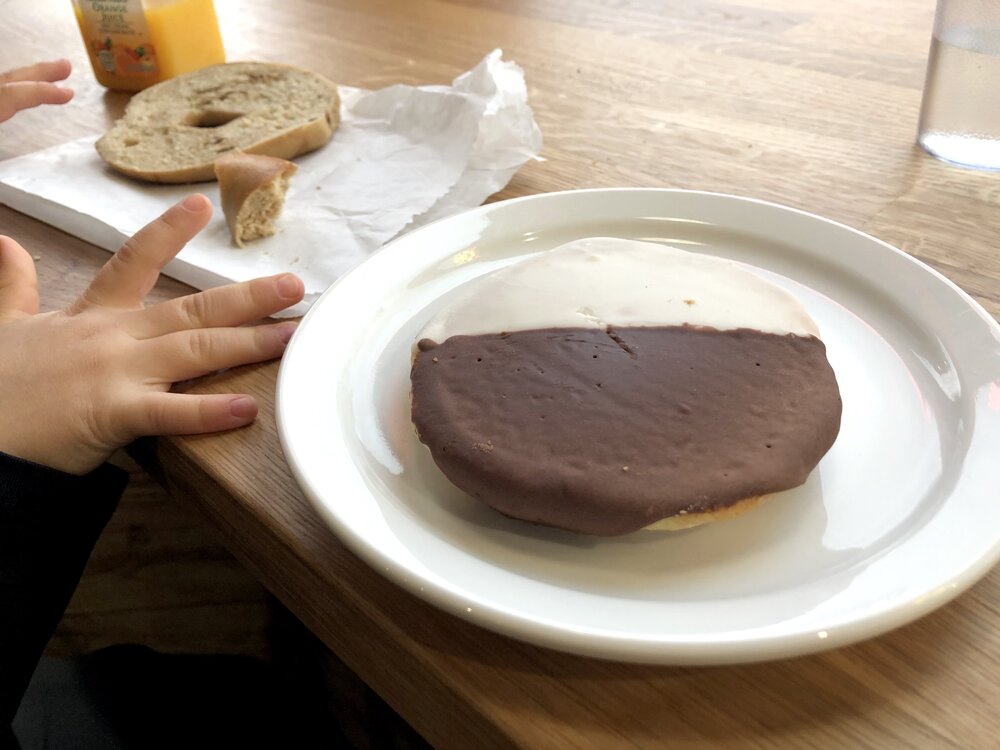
<point x="133" y="44"/>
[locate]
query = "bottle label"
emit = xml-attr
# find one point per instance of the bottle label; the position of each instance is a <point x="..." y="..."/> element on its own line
<point x="118" y="36"/>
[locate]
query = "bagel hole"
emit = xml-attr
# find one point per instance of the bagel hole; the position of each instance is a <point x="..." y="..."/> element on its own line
<point x="211" y="118"/>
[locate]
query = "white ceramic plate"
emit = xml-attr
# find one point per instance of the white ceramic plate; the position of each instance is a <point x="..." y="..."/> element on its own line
<point x="900" y="516"/>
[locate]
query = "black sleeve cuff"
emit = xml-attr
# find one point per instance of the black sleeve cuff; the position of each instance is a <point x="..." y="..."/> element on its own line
<point x="49" y="523"/>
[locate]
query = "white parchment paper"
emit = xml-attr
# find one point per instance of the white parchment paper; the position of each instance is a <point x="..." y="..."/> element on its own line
<point x="402" y="156"/>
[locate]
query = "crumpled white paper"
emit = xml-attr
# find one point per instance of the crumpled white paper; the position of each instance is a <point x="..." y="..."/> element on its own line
<point x="402" y="156"/>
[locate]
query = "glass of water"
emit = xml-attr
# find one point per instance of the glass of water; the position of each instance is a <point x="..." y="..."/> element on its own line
<point x="960" y="114"/>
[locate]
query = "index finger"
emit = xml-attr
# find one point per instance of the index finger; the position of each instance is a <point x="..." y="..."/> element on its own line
<point x="126" y="279"/>
<point x="51" y="70"/>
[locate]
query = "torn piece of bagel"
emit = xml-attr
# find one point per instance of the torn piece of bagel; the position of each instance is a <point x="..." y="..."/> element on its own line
<point x="252" y="191"/>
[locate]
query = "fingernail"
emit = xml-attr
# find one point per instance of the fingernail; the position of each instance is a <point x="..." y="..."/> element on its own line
<point x="243" y="407"/>
<point x="285" y="332"/>
<point x="194" y="202"/>
<point x="288" y="286"/>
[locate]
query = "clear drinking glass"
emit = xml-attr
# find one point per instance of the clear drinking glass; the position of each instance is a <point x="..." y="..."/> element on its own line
<point x="960" y="114"/>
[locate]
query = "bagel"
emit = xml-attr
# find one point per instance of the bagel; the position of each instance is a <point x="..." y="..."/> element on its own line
<point x="610" y="385"/>
<point x="174" y="131"/>
<point x="252" y="191"/>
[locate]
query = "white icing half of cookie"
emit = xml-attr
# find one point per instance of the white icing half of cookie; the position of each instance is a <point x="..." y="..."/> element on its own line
<point x="603" y="281"/>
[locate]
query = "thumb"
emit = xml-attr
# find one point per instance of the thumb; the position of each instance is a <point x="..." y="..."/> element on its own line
<point x="18" y="282"/>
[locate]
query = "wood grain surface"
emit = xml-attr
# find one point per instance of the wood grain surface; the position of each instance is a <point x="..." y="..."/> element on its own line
<point x="160" y="577"/>
<point x="811" y="104"/>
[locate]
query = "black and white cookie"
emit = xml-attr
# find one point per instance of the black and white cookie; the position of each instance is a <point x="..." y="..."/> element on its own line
<point x="611" y="385"/>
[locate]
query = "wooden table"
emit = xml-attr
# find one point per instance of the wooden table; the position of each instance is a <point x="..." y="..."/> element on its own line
<point x="805" y="102"/>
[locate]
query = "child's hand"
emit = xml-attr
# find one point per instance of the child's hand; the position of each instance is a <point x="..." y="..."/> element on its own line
<point x="79" y="383"/>
<point x="28" y="87"/>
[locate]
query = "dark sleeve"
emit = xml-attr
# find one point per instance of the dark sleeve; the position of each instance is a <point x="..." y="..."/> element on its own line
<point x="49" y="522"/>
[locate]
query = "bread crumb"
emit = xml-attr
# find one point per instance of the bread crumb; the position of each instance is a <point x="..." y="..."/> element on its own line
<point x="624" y="468"/>
<point x="36" y="257"/>
<point x="434" y="359"/>
<point x="486" y="447"/>
<point x="689" y="302"/>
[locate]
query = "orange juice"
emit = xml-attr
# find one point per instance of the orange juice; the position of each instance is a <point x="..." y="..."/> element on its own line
<point x="133" y="44"/>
